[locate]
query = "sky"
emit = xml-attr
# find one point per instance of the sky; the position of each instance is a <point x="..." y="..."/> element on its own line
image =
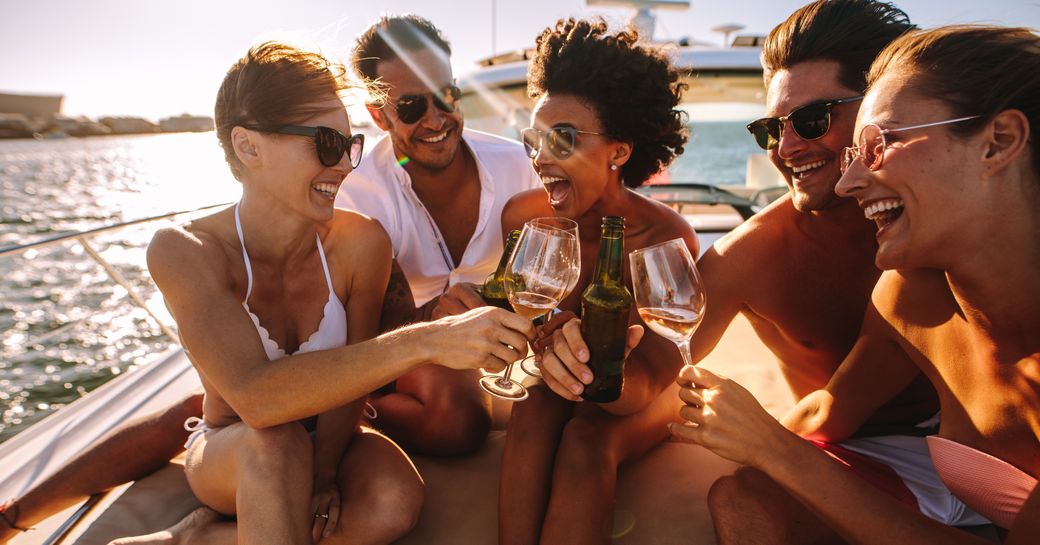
<point x="155" y="59"/>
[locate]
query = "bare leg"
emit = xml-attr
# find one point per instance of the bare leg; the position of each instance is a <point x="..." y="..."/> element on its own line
<point x="202" y="526"/>
<point x="381" y="489"/>
<point x="595" y="443"/>
<point x="142" y="446"/>
<point x="382" y="496"/>
<point x="750" y="508"/>
<point x="436" y="411"/>
<point x="525" y="480"/>
<point x="263" y="476"/>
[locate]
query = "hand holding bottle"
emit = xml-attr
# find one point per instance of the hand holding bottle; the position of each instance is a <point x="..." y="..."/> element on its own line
<point x="459" y="298"/>
<point x="564" y="362"/>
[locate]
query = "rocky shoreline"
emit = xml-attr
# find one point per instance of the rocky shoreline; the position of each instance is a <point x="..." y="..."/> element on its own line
<point x="14" y="125"/>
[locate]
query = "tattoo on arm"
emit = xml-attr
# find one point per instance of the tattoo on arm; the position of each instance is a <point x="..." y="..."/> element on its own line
<point x="398" y="303"/>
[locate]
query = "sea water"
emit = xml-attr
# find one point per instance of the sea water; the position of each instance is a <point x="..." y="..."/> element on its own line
<point x="65" y="327"/>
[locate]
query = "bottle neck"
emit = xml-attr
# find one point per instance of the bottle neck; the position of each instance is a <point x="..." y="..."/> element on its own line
<point x="507" y="252"/>
<point x="611" y="254"/>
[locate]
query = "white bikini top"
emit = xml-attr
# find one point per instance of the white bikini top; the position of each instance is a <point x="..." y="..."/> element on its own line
<point x="332" y="330"/>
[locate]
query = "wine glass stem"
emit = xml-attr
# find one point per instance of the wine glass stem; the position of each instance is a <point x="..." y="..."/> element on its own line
<point x="505" y="380"/>
<point x="684" y="349"/>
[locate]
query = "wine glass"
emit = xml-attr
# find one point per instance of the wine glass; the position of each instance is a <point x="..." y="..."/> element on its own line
<point x="541" y="272"/>
<point x="668" y="291"/>
<point x="528" y="364"/>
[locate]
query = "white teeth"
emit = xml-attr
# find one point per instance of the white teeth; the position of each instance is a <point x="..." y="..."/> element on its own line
<point x="881" y="206"/>
<point x="551" y="180"/>
<point x="328" y="189"/>
<point x="802" y="168"/>
<point x="435" y="139"/>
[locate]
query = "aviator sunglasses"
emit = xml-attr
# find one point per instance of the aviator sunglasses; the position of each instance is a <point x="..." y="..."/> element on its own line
<point x="412" y="108"/>
<point x="809" y="122"/>
<point x="872" y="143"/>
<point x="559" y="140"/>
<point x="329" y="143"/>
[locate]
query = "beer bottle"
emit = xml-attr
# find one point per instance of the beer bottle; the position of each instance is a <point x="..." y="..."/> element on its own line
<point x="494" y="290"/>
<point x="605" y="306"/>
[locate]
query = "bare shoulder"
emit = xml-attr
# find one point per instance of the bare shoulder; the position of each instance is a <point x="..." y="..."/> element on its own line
<point x="915" y="296"/>
<point x="355" y="239"/>
<point x="524" y="206"/>
<point x="760" y="235"/>
<point x="195" y="251"/>
<point x="738" y="258"/>
<point x="665" y="224"/>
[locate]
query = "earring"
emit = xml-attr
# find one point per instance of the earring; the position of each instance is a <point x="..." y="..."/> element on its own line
<point x="613" y="167"/>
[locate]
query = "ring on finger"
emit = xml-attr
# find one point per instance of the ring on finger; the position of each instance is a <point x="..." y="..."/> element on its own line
<point x="321" y="515"/>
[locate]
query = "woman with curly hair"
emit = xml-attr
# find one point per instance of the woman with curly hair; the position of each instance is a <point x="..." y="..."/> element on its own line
<point x="605" y="121"/>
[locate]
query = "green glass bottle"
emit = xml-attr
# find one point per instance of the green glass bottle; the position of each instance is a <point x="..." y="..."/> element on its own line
<point x="605" y="306"/>
<point x="494" y="290"/>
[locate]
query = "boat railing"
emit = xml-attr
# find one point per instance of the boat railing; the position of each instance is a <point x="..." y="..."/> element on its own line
<point x="83" y="238"/>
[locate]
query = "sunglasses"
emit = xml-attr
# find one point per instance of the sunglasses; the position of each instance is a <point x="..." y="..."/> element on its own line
<point x="559" y="140"/>
<point x="872" y="143"/>
<point x="330" y="143"/>
<point x="809" y="122"/>
<point x="412" y="108"/>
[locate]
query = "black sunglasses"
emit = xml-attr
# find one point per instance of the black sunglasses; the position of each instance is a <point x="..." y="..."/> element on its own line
<point x="810" y="122"/>
<point x="330" y="143"/>
<point x="412" y="108"/>
<point x="560" y="140"/>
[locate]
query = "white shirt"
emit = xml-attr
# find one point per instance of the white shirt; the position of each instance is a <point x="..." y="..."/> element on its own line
<point x="382" y="189"/>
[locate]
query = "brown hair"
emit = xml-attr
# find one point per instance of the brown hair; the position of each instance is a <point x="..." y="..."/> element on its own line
<point x="849" y="32"/>
<point x="633" y="89"/>
<point x="974" y="69"/>
<point x="273" y="84"/>
<point x="385" y="40"/>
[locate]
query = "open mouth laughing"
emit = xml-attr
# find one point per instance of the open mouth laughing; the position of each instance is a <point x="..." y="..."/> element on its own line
<point x="559" y="189"/>
<point x="884" y="212"/>
<point x="802" y="170"/>
<point x="325" y="189"/>
<point x="439" y="137"/>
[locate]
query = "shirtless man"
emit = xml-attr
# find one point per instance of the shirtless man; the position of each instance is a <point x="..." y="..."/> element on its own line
<point x="438" y="190"/>
<point x="802" y="270"/>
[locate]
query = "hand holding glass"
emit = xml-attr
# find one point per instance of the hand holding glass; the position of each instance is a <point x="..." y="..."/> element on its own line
<point x="541" y="272"/>
<point x="668" y="291"/>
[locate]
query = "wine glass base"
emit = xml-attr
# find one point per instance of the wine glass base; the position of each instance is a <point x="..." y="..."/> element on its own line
<point x="503" y="388"/>
<point x="530" y="366"/>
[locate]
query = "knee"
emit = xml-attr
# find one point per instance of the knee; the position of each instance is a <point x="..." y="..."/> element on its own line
<point x="736" y="499"/>
<point x="393" y="508"/>
<point x="278" y="450"/>
<point x="456" y="425"/>
<point x="586" y="448"/>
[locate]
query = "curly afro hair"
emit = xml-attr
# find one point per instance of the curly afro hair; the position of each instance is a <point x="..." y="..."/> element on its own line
<point x="632" y="88"/>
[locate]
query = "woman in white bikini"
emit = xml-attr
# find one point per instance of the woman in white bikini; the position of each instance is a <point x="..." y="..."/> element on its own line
<point x="271" y="296"/>
<point x="947" y="165"/>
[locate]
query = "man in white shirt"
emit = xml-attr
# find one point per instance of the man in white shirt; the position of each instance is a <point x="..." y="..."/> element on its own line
<point x="438" y="191"/>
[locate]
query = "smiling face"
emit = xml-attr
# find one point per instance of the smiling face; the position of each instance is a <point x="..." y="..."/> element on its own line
<point x="289" y="167"/>
<point x="925" y="196"/>
<point x="433" y="141"/>
<point x="575" y="183"/>
<point x="811" y="167"/>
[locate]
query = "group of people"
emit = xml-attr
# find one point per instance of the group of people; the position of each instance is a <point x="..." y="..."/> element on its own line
<point x="332" y="316"/>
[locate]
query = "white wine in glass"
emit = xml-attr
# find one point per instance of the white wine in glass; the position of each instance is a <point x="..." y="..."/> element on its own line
<point x="668" y="291"/>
